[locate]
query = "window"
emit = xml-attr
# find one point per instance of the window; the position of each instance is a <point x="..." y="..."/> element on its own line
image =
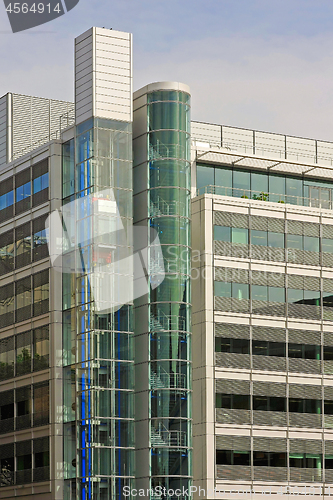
<point x="41" y="348"/>
<point x="230" y="457"/>
<point x="239" y="346"/>
<point x="233" y="401"/>
<point x="259" y="237"/>
<point x="304" y="351"/>
<point x="223" y="178"/>
<point x="22" y="191"/>
<point x="327" y="245"/>
<point x="205" y="177"/>
<point x="7" y="411"/>
<point x="23" y="245"/>
<point x="239" y="235"/>
<point x="311" y="244"/>
<point x="277" y="188"/>
<point x="294" y="241"/>
<point x="7" y="304"/>
<point x="6" y="199"/>
<point x="23" y="462"/>
<point x="241" y="183"/>
<point x="259" y="183"/>
<point x="305" y="460"/>
<point x="275" y="240"/>
<point x="7" y="253"/>
<point x="222" y="289"/>
<point x="23" y="299"/>
<point x="267" y="348"/>
<point x="240" y="291"/>
<point x="23" y="407"/>
<point x="7" y="358"/>
<point x="222" y="233"/>
<point x="328" y="352"/>
<point x="41" y="293"/>
<point x="269" y="459"/>
<point x="328" y="407"/>
<point x="276" y="294"/>
<point x="295" y="296"/>
<point x="298" y="405"/>
<point x="40" y="182"/>
<point x="41" y="404"/>
<point x="259" y="292"/>
<point x="41" y="459"/>
<point x="40" y="249"/>
<point x="23" y="353"/>
<point x="268" y="403"/>
<point x="294" y="191"/>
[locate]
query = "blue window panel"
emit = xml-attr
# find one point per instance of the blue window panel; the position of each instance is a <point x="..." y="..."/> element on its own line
<point x="41" y="183"/>
<point x="6" y="200"/>
<point x="23" y="192"/>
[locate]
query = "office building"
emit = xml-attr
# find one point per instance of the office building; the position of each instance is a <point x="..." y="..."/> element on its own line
<point x="215" y="374"/>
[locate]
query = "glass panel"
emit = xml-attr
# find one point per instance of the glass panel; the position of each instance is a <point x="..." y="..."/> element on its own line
<point x="275" y="240"/>
<point x="240" y="291"/>
<point x="295" y="296"/>
<point x="239" y="235"/>
<point x="223" y="178"/>
<point x="311" y="244"/>
<point x="327" y="245"/>
<point x="259" y="292"/>
<point x="294" y="190"/>
<point x="205" y="177"/>
<point x="259" y="184"/>
<point x="258" y="237"/>
<point x="277" y="188"/>
<point x="294" y="241"/>
<point x="241" y="181"/>
<point x="222" y="289"/>
<point x="276" y="294"/>
<point x="222" y="233"/>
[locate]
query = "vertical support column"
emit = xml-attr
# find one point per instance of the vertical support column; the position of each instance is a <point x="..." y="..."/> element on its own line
<point x="163" y="317"/>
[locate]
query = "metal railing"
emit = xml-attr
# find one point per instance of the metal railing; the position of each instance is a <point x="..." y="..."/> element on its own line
<point x="265" y="197"/>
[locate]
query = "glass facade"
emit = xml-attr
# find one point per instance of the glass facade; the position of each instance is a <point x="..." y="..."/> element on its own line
<point x="169" y="303"/>
<point x="97" y="342"/>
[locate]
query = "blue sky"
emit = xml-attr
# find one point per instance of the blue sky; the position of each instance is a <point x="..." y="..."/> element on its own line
<point x="259" y="64"/>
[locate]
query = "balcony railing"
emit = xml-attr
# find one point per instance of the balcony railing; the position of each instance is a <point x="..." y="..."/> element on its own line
<point x="251" y="194"/>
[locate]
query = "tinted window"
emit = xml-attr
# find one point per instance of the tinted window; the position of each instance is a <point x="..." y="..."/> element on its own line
<point x="240" y="291"/>
<point x="294" y="241"/>
<point x="259" y="238"/>
<point x="311" y="244"/>
<point x="222" y="233"/>
<point x="239" y="235"/>
<point x="259" y="292"/>
<point x="327" y="245"/>
<point x="222" y="289"/>
<point x="276" y="294"/>
<point x="276" y="240"/>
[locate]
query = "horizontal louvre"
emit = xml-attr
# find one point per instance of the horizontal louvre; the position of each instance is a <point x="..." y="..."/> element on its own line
<point x="305" y="391"/>
<point x="232" y="331"/>
<point x="304" y="311"/>
<point x="41" y="444"/>
<point x="276" y="225"/>
<point x="327" y="259"/>
<point x="328" y="338"/>
<point x="305" y="446"/>
<point x="294" y="227"/>
<point x="304" y="365"/>
<point x="328" y="285"/>
<point x="23" y="393"/>
<point x="305" y="420"/>
<point x="269" y="389"/>
<point x="270" y="254"/>
<point x="231" y="249"/>
<point x="269" y="444"/>
<point x="276" y="418"/>
<point x="237" y="443"/>
<point x="328" y="393"/>
<point x="232" y="360"/>
<point x="232" y="305"/>
<point x="235" y="417"/>
<point x="23" y="448"/>
<point x="265" y="333"/>
<point x="239" y="220"/>
<point x="310" y="229"/>
<point x="259" y="223"/>
<point x="327" y="231"/>
<point x="222" y="219"/>
<point x="328" y="447"/>
<point x="273" y="363"/>
<point x="295" y="281"/>
<point x="311" y="283"/>
<point x="227" y="386"/>
<point x="274" y="474"/>
<point x="268" y="308"/>
<point x="6" y="398"/>
<point x="304" y="337"/>
<point x="233" y="472"/>
<point x="305" y="475"/>
<point x="6" y="451"/>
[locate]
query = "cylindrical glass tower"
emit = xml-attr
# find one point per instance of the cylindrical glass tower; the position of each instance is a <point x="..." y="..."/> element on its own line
<point x="169" y="308"/>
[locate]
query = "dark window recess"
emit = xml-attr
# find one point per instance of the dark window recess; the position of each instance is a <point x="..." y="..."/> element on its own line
<point x="7" y="253"/>
<point x="266" y="348"/>
<point x="304" y="351"/>
<point x="269" y="459"/>
<point x="238" y="346"/>
<point x="328" y="407"/>
<point x="41" y="404"/>
<point x="7" y="305"/>
<point x="6" y="411"/>
<point x="22" y="191"/>
<point x="23" y="299"/>
<point x="40" y="183"/>
<point x="7" y="358"/>
<point x="23" y="353"/>
<point x="298" y="405"/>
<point x="23" y="462"/>
<point x="328" y="352"/>
<point x="23" y="245"/>
<point x="231" y="457"/>
<point x="233" y="401"/>
<point x="41" y="292"/>
<point x="41" y="348"/>
<point x="7" y="464"/>
<point x="269" y="403"/>
<point x="39" y="242"/>
<point x="305" y="460"/>
<point x="6" y="199"/>
<point x="23" y="407"/>
<point x="327" y="299"/>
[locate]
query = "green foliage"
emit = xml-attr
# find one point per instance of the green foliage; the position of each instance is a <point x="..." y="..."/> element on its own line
<point x="262" y="196"/>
